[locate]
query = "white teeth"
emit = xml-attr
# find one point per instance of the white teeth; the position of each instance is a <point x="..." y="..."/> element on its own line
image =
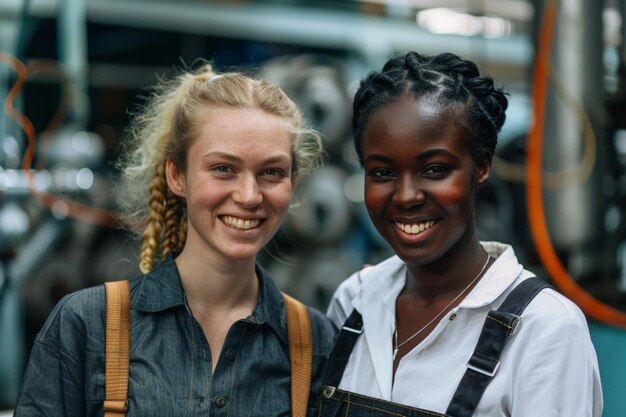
<point x="414" y="228"/>
<point x="241" y="223"/>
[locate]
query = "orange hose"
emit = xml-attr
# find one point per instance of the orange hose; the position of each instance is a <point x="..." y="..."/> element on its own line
<point x="534" y="188"/>
<point x="51" y="66"/>
<point x="23" y="121"/>
<point x="63" y="206"/>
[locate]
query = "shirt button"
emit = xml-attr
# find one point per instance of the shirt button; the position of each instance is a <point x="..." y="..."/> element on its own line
<point x="230" y="354"/>
<point x="452" y="316"/>
<point x="220" y="401"/>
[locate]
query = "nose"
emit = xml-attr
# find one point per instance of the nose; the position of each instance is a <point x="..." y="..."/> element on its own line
<point x="247" y="193"/>
<point x="408" y="192"/>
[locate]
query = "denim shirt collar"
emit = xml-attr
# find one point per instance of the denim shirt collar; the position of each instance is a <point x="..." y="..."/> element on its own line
<point x="162" y="289"/>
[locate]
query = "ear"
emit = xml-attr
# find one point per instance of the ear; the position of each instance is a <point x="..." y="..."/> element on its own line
<point x="483" y="168"/>
<point x="175" y="179"/>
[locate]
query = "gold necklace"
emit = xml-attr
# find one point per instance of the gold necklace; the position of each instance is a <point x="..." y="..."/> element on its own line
<point x="397" y="346"/>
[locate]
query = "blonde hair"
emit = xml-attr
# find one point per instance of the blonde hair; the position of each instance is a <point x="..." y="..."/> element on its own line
<point x="165" y="130"/>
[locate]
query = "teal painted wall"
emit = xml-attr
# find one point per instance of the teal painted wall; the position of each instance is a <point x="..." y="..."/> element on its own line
<point x="610" y="344"/>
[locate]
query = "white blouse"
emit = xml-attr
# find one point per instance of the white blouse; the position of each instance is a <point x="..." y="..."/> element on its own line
<point x="549" y="367"/>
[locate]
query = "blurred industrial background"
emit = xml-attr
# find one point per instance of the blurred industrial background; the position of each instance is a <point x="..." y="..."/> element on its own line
<point x="71" y="72"/>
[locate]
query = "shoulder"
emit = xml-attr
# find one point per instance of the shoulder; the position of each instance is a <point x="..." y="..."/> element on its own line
<point x="76" y="317"/>
<point x="549" y="306"/>
<point x="507" y="273"/>
<point x="551" y="319"/>
<point x="553" y="359"/>
<point x="81" y="313"/>
<point x="549" y="301"/>
<point x="368" y="277"/>
<point x="323" y="331"/>
<point x="366" y="284"/>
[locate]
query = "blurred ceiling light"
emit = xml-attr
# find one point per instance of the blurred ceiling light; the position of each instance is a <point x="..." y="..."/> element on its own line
<point x="521" y="10"/>
<point x="447" y="21"/>
<point x="612" y="24"/>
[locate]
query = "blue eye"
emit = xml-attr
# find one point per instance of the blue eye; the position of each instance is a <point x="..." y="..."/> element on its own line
<point x="223" y="169"/>
<point x="273" y="172"/>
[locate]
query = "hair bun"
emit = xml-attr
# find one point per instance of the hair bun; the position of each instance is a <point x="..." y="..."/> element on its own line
<point x="493" y="99"/>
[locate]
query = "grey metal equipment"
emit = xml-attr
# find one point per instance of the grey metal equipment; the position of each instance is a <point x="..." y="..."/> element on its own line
<point x="317" y="84"/>
<point x="323" y="214"/>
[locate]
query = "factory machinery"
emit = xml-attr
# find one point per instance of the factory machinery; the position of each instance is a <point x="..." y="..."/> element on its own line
<point x="72" y="70"/>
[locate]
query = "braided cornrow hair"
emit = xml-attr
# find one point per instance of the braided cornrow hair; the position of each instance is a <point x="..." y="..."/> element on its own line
<point x="448" y="77"/>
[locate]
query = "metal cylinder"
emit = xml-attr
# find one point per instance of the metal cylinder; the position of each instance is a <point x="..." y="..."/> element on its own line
<point x="574" y="208"/>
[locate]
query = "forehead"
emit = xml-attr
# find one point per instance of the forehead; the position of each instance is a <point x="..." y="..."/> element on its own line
<point x="241" y="130"/>
<point x="416" y="122"/>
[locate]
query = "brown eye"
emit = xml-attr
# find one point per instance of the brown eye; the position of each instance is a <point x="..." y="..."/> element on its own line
<point x="436" y="170"/>
<point x="382" y="173"/>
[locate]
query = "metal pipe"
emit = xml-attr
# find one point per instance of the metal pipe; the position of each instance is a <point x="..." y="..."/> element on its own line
<point x="35" y="251"/>
<point x="72" y="27"/>
<point x="371" y="37"/>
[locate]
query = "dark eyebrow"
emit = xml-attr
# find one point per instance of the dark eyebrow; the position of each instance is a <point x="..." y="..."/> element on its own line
<point x="420" y="157"/>
<point x="377" y="157"/>
<point x="435" y="152"/>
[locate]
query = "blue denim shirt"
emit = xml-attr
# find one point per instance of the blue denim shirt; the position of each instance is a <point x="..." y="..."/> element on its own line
<point x="170" y="360"/>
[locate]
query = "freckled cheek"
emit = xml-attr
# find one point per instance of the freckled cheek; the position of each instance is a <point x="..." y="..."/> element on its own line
<point x="210" y="196"/>
<point x="280" y="199"/>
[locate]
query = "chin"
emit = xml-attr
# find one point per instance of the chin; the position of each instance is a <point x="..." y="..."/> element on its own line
<point x="413" y="258"/>
<point x="242" y="254"/>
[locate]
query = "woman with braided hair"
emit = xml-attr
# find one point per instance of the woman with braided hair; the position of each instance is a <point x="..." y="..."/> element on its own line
<point x="450" y="325"/>
<point x="216" y="158"/>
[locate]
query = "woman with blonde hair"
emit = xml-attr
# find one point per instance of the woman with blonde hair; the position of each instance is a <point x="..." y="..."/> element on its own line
<point x="216" y="158"/>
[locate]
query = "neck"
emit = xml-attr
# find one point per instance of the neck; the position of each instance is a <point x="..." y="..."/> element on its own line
<point x="446" y="276"/>
<point x="214" y="284"/>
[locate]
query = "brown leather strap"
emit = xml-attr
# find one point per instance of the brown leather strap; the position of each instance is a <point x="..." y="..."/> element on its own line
<point x="300" y="354"/>
<point x="117" y="351"/>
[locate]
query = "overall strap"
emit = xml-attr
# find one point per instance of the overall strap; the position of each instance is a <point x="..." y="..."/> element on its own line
<point x="117" y="348"/>
<point x="499" y="326"/>
<point x="300" y="354"/>
<point x="338" y="359"/>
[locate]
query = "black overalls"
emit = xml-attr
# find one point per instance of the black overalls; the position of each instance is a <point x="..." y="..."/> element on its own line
<point x="482" y="366"/>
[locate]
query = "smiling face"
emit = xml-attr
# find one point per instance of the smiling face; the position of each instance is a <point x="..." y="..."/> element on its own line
<point x="237" y="182"/>
<point x="420" y="178"/>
